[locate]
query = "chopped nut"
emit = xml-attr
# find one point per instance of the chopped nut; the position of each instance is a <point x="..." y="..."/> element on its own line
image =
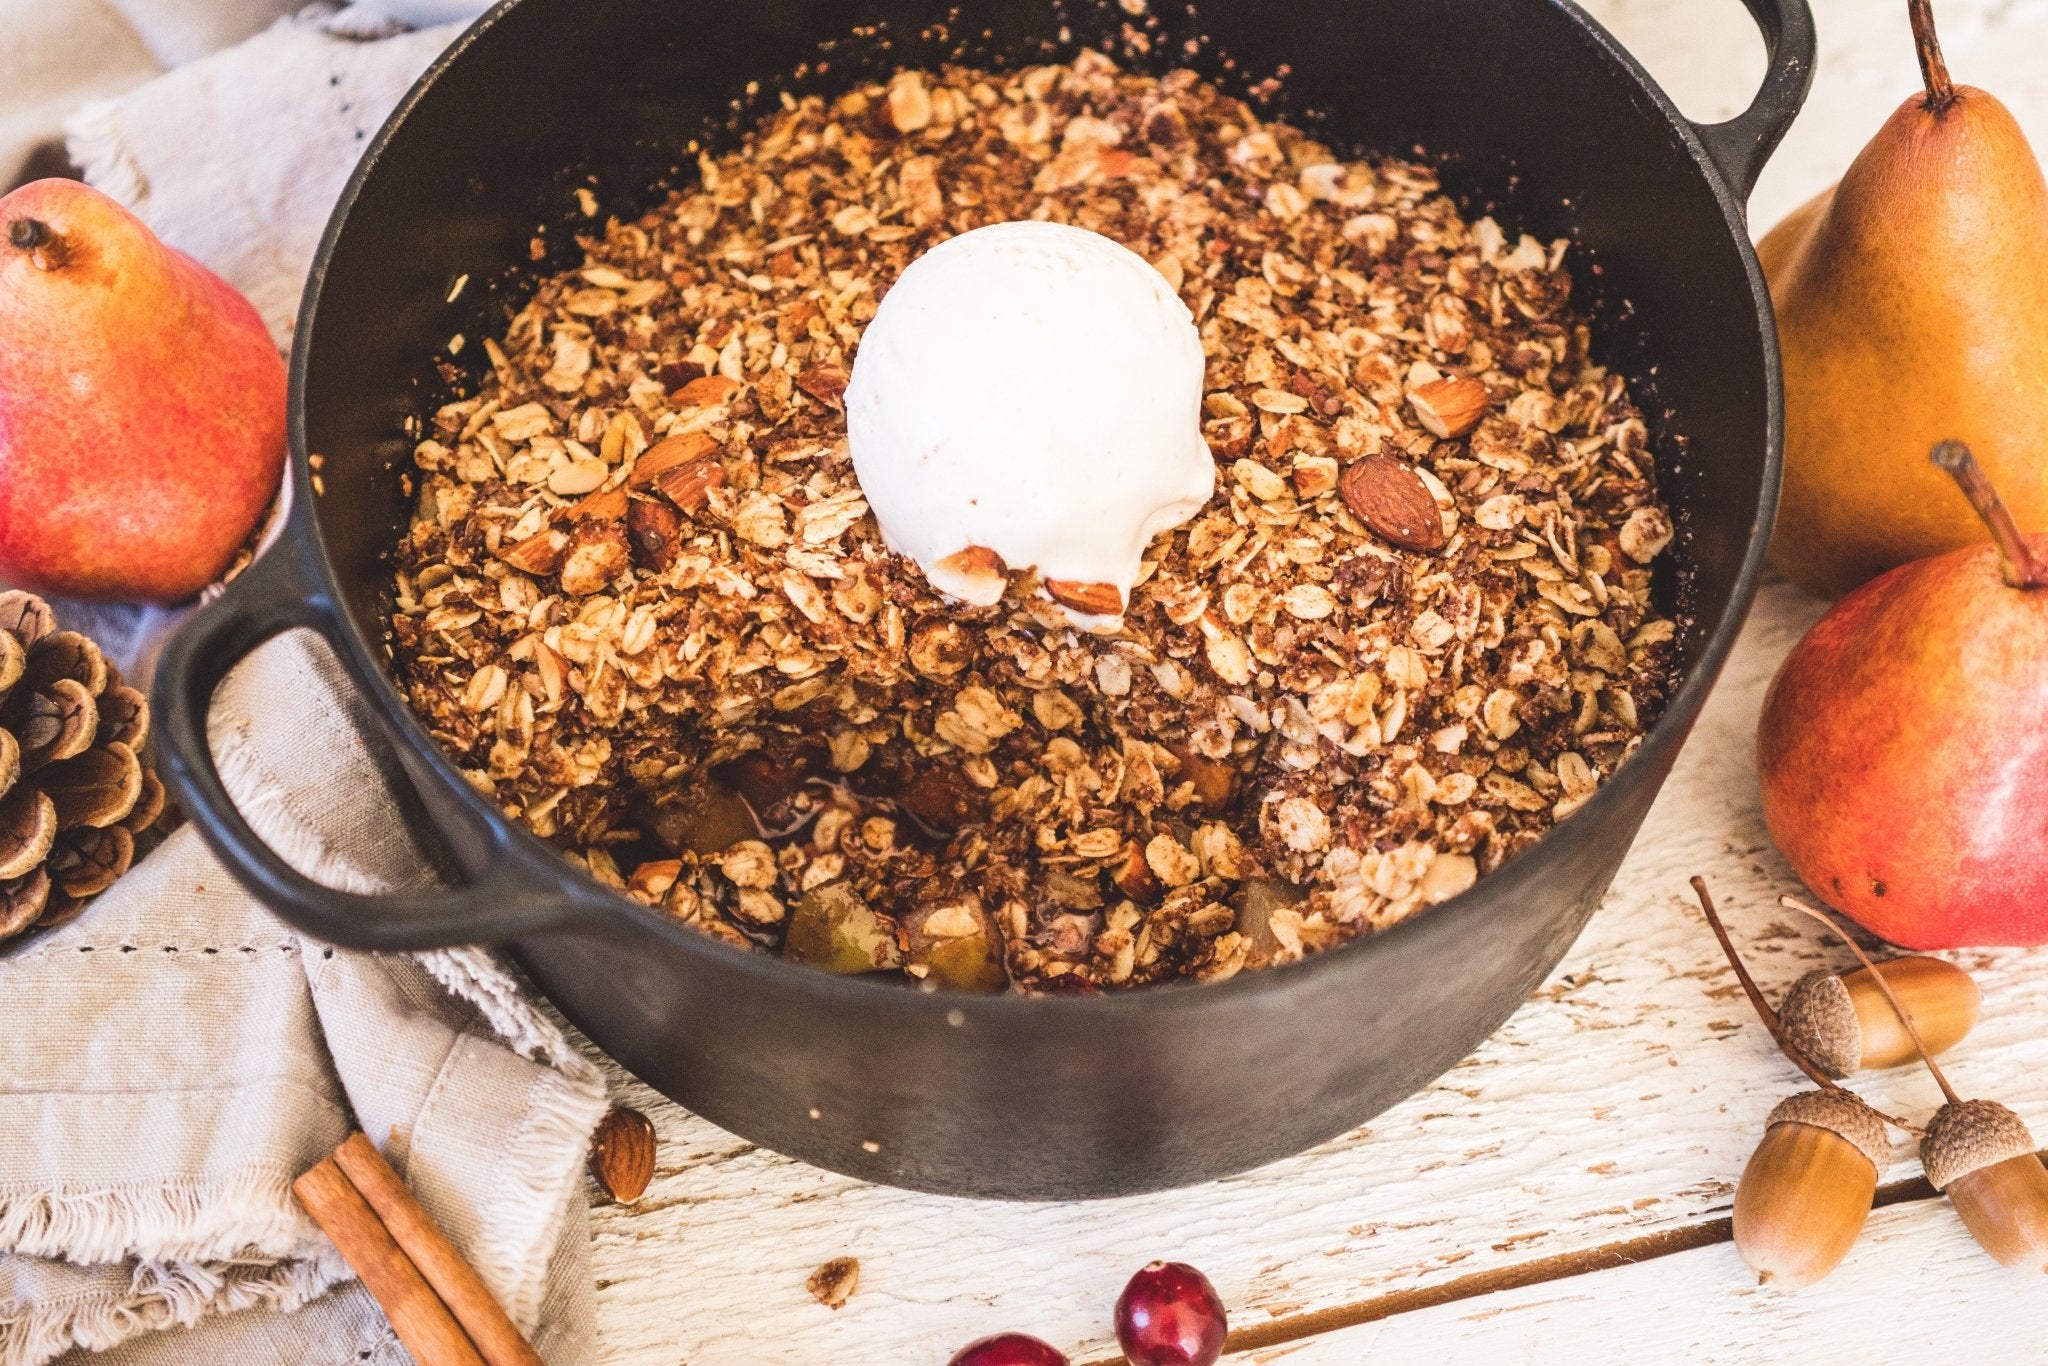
<point x="1314" y="475"/>
<point x="540" y="553"/>
<point x="668" y="454"/>
<point x="688" y="484"/>
<point x="655" y="530"/>
<point x="981" y="568"/>
<point x="712" y="389"/>
<point x="597" y="554"/>
<point x="1449" y="407"/>
<point x="833" y="1284"/>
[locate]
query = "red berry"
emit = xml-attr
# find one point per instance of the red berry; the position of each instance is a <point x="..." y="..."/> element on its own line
<point x="1169" y="1315"/>
<point x="1008" y="1349"/>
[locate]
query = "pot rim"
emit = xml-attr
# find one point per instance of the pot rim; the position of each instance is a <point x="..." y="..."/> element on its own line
<point x="1590" y="821"/>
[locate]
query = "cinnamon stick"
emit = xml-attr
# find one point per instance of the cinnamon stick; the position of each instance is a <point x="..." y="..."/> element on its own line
<point x="417" y="1315"/>
<point x="438" y="1260"/>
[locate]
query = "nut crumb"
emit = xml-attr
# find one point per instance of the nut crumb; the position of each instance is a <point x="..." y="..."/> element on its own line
<point x="833" y="1284"/>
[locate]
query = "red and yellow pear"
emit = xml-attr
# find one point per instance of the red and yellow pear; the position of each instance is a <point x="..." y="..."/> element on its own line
<point x="142" y="405"/>
<point x="1903" y="748"/>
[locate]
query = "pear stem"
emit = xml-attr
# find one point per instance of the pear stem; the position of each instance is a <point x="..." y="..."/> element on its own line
<point x="39" y="240"/>
<point x="1792" y="903"/>
<point x="2022" y="570"/>
<point x="1941" y="91"/>
<point x="1755" y="994"/>
<point x="26" y="234"/>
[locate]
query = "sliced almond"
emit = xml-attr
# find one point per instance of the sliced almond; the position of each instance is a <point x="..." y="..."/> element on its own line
<point x="1449" y="407"/>
<point x="651" y="881"/>
<point x="1091" y="599"/>
<point x="1391" y="499"/>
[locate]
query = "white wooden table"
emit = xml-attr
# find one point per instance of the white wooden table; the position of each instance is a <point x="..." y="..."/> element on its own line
<point x="1561" y="1195"/>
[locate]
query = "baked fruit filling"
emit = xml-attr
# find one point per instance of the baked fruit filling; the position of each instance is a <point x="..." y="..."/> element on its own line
<point x="645" y="605"/>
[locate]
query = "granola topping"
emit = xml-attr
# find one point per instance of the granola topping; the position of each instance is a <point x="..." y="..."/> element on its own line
<point x="645" y="605"/>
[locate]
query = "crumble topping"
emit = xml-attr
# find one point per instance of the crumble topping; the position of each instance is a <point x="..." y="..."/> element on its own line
<point x="644" y="605"/>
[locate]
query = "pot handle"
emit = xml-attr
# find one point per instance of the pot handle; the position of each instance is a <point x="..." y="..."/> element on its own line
<point x="1740" y="147"/>
<point x="275" y="594"/>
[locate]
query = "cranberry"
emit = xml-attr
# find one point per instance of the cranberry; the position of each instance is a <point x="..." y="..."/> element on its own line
<point x="1008" y="1349"/>
<point x="1169" y="1315"/>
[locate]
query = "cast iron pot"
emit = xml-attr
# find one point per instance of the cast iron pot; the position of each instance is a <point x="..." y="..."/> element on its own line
<point x="1527" y="104"/>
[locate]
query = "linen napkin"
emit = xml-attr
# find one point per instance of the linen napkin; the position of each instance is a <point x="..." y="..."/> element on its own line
<point x="169" y="1061"/>
<point x="173" y="1058"/>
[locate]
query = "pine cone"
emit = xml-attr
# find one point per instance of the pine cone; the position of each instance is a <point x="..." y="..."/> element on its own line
<point x="74" y="789"/>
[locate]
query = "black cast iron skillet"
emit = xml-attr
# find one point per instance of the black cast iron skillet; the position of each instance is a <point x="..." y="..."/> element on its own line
<point x="1526" y="103"/>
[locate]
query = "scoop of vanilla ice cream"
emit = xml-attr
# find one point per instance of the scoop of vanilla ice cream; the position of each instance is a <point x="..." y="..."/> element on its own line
<point x="1035" y="389"/>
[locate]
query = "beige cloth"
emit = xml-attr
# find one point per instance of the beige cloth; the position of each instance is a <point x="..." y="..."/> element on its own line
<point x="238" y="159"/>
<point x="173" y="1058"/>
<point x="57" y="54"/>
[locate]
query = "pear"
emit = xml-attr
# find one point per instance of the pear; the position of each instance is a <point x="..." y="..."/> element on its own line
<point x="1912" y="303"/>
<point x="142" y="405"/>
<point x="1903" y="746"/>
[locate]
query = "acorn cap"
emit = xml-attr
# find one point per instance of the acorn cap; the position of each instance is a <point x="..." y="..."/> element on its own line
<point x="1840" y="1113"/>
<point x="1968" y="1135"/>
<point x="1820" y="1020"/>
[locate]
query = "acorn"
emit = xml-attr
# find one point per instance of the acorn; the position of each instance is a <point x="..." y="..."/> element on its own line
<point x="1980" y="1155"/>
<point x="1844" y="1023"/>
<point x="1806" y="1192"/>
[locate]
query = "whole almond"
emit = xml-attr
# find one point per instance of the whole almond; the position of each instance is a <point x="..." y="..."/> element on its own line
<point x="686" y="485"/>
<point x="1091" y="599"/>
<point x="1391" y="499"/>
<point x="1449" y="407"/>
<point x="622" y="1154"/>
